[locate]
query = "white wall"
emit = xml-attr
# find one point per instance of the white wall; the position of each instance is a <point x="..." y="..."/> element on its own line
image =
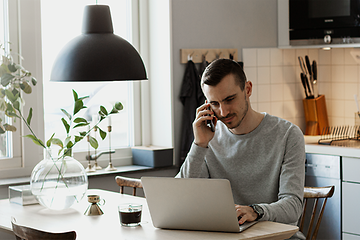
<point x="160" y="73"/>
<point x="217" y="24"/>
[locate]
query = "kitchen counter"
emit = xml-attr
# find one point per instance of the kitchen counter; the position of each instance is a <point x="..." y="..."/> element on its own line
<point x="312" y="146"/>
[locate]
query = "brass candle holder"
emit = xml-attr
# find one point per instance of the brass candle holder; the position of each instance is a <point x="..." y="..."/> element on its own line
<point x="110" y="167"/>
<point x="94" y="209"/>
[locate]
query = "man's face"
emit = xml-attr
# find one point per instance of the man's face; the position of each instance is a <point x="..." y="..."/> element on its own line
<point x="228" y="101"/>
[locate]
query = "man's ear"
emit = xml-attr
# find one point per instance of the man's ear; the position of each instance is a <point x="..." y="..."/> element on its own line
<point x="248" y="88"/>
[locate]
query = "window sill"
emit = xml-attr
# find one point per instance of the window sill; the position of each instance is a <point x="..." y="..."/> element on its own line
<point x="121" y="169"/>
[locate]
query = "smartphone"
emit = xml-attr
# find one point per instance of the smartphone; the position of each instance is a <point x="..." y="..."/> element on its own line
<point x="210" y="123"/>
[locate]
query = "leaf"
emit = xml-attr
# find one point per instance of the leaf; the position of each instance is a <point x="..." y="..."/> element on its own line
<point x="82" y="98"/>
<point x="57" y="141"/>
<point x="102" y="116"/>
<point x="78" y="138"/>
<point x="69" y="144"/>
<point x="66" y="113"/>
<point x="114" y="110"/>
<point x="102" y="134"/>
<point x="78" y="106"/>
<point x="68" y="152"/>
<point x="67" y="140"/>
<point x="2" y="129"/>
<point x="103" y="110"/>
<point x="83" y="134"/>
<point x="93" y="142"/>
<point x="2" y="105"/>
<point x="6" y="78"/>
<point x="119" y="106"/>
<point x="9" y="127"/>
<point x="10" y="111"/>
<point x="2" y="69"/>
<point x="66" y="125"/>
<point x="9" y="94"/>
<point x="76" y="97"/>
<point x="15" y="92"/>
<point x="80" y="125"/>
<point x="26" y="87"/>
<point x="33" y="81"/>
<point x="28" y="120"/>
<point x="12" y="67"/>
<point x="79" y="120"/>
<point x="16" y="105"/>
<point x="11" y="114"/>
<point x="35" y="140"/>
<point x="48" y="143"/>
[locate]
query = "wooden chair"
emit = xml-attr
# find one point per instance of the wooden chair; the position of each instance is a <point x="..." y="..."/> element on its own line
<point x="27" y="233"/>
<point x="128" y="182"/>
<point x="315" y="193"/>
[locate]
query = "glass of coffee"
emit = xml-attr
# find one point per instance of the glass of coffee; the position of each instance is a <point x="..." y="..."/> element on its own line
<point x="130" y="214"/>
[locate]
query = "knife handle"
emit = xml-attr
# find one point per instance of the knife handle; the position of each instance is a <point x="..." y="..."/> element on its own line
<point x="302" y="75"/>
<point x="308" y="85"/>
<point x="314" y="70"/>
<point x="308" y="65"/>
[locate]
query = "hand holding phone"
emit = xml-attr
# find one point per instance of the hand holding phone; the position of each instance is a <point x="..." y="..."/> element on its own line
<point x="210" y="123"/>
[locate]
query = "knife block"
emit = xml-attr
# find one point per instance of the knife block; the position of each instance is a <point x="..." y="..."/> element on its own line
<point x="315" y="115"/>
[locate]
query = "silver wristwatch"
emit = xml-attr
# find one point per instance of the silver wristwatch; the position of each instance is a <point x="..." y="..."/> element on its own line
<point x="258" y="210"/>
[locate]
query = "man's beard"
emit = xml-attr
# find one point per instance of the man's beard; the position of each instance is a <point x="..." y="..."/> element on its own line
<point x="233" y="114"/>
<point x="242" y="118"/>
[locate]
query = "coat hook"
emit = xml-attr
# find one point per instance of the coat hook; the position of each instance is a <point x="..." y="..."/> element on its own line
<point x="190" y="56"/>
<point x="204" y="55"/>
<point x="218" y="55"/>
<point x="231" y="55"/>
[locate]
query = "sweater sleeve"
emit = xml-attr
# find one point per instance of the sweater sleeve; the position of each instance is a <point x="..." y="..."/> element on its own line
<point x="288" y="208"/>
<point x="194" y="165"/>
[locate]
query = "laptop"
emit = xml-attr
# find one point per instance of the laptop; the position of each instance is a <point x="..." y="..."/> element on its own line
<point x="192" y="204"/>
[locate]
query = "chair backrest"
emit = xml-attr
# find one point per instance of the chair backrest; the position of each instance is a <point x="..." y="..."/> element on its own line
<point x="128" y="182"/>
<point x="315" y="193"/>
<point x="27" y="233"/>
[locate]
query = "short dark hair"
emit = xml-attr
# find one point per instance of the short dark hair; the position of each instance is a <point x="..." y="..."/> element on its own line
<point x="220" y="68"/>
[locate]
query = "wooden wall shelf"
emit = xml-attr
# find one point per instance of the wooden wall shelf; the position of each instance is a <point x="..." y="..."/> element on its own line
<point x="210" y="54"/>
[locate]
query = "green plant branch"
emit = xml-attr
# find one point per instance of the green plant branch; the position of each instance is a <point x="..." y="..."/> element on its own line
<point x="32" y="132"/>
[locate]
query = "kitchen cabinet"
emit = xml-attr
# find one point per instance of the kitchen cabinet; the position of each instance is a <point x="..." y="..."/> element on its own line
<point x="350" y="198"/>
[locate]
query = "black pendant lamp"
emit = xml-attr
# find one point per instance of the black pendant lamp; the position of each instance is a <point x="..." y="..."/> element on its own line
<point x="98" y="54"/>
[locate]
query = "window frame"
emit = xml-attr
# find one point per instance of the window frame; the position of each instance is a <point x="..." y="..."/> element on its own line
<point x="28" y="32"/>
<point x="11" y="19"/>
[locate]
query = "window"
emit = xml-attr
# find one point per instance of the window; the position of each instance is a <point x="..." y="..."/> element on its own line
<point x="57" y="30"/>
<point x="46" y="27"/>
<point x="10" y="144"/>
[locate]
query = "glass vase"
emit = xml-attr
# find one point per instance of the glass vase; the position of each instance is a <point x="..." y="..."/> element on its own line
<point x="58" y="183"/>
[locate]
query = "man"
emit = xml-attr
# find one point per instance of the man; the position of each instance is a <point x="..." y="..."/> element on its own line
<point x="261" y="155"/>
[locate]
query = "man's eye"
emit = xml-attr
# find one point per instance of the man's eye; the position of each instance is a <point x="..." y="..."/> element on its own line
<point x="230" y="99"/>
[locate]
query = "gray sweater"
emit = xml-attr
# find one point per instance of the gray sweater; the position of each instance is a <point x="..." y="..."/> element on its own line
<point x="265" y="166"/>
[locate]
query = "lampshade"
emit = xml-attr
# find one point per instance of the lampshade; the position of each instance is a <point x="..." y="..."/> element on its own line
<point x="98" y="54"/>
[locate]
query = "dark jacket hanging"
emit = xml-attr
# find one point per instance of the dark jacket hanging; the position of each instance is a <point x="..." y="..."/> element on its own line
<point x="191" y="97"/>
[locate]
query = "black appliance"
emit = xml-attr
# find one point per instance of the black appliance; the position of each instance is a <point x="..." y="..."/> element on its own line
<point x="314" y="22"/>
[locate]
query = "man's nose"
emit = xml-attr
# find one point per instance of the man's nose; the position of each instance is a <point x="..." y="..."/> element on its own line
<point x="224" y="110"/>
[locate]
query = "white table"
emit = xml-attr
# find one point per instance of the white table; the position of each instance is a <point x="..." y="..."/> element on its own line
<point x="107" y="226"/>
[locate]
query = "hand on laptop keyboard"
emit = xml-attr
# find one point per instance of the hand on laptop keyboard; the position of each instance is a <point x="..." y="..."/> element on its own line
<point x="245" y="214"/>
<point x="239" y="217"/>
